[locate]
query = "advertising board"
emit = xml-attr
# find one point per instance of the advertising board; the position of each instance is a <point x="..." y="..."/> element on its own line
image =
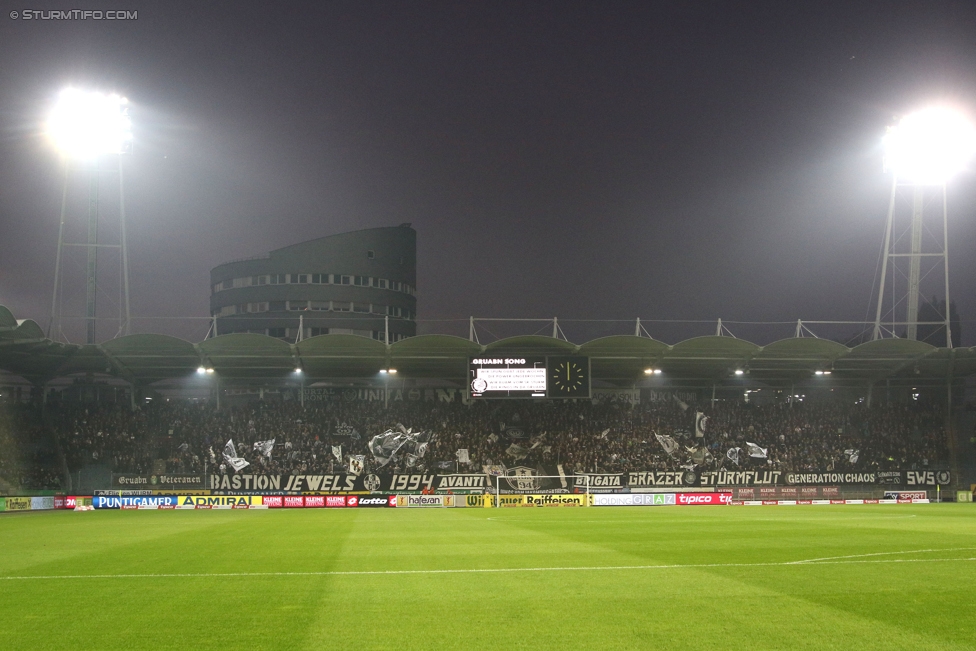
<point x="699" y="499"/>
<point x="414" y="501"/>
<point x="634" y="499"/>
<point x="906" y="495"/>
<point x="174" y="501"/>
<point x="45" y="503"/>
<point x="543" y="500"/>
<point x="18" y="503"/>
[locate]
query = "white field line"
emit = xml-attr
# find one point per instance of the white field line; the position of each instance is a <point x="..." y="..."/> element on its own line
<point x="913" y="551"/>
<point x="500" y="570"/>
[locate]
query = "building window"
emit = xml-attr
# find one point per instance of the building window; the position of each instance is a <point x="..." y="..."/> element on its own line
<point x="302" y="278"/>
<point x="276" y="306"/>
<point x="315" y="332"/>
<point x="346" y="280"/>
<point x="370" y="255"/>
<point x="382" y="283"/>
<point x="276" y="332"/>
<point x="320" y="306"/>
<point x="316" y="279"/>
<point x="360" y="307"/>
<point x="341" y="306"/>
<point x="297" y="306"/>
<point x="362" y="281"/>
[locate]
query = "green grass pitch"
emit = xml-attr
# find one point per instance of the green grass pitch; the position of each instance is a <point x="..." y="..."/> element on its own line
<point x="801" y="577"/>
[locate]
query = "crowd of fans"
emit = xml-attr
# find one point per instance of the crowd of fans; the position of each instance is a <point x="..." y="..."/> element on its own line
<point x="185" y="437"/>
<point x="191" y="438"/>
<point x="28" y="456"/>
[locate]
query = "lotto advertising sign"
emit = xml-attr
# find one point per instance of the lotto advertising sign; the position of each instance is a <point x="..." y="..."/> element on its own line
<point x="371" y="501"/>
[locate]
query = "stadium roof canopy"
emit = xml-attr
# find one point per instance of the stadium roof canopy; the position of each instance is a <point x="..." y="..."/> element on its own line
<point x="621" y="360"/>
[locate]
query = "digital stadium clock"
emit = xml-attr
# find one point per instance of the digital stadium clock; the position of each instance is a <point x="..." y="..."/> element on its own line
<point x="518" y="376"/>
<point x="569" y="377"/>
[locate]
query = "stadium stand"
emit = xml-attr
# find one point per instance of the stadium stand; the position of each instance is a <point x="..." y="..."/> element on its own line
<point x="183" y="437"/>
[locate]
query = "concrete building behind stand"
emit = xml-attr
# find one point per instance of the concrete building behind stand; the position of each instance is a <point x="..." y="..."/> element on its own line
<point x="362" y="283"/>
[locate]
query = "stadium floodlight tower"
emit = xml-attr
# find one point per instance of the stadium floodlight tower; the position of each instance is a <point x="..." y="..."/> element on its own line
<point x="88" y="127"/>
<point x="923" y="152"/>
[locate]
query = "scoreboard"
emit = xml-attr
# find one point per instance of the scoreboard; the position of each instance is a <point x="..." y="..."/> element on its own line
<point x="513" y="376"/>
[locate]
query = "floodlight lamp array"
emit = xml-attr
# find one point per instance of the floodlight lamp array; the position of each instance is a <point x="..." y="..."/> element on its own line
<point x="929" y="146"/>
<point x="87" y="124"/>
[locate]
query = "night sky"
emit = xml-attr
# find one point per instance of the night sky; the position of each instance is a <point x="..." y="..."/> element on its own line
<point x="667" y="160"/>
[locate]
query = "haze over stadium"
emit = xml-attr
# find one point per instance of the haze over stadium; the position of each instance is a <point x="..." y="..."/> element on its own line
<point x="299" y="305"/>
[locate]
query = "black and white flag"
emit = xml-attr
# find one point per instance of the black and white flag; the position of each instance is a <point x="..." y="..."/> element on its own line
<point x="264" y="448"/>
<point x="337" y="452"/>
<point x="755" y="451"/>
<point x="230" y="456"/>
<point x="733" y="455"/>
<point x="462" y="456"/>
<point x="668" y="443"/>
<point x="700" y="421"/>
<point x="357" y="463"/>
<point x="852" y="455"/>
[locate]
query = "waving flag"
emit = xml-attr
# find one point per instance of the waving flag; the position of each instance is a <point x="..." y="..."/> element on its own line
<point x="755" y="451"/>
<point x="230" y="456"/>
<point x="668" y="443"/>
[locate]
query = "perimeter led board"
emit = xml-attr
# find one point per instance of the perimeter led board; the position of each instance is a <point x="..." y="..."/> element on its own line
<point x="505" y="376"/>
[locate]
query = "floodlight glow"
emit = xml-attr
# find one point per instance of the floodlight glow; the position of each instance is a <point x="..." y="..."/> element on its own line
<point x="393" y="371"/>
<point x="201" y="370"/>
<point x="818" y="372"/>
<point x="739" y="371"/>
<point x="298" y="370"/>
<point x="85" y="124"/>
<point x="929" y="146"/>
<point x="648" y="371"/>
<point x="210" y="370"/>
